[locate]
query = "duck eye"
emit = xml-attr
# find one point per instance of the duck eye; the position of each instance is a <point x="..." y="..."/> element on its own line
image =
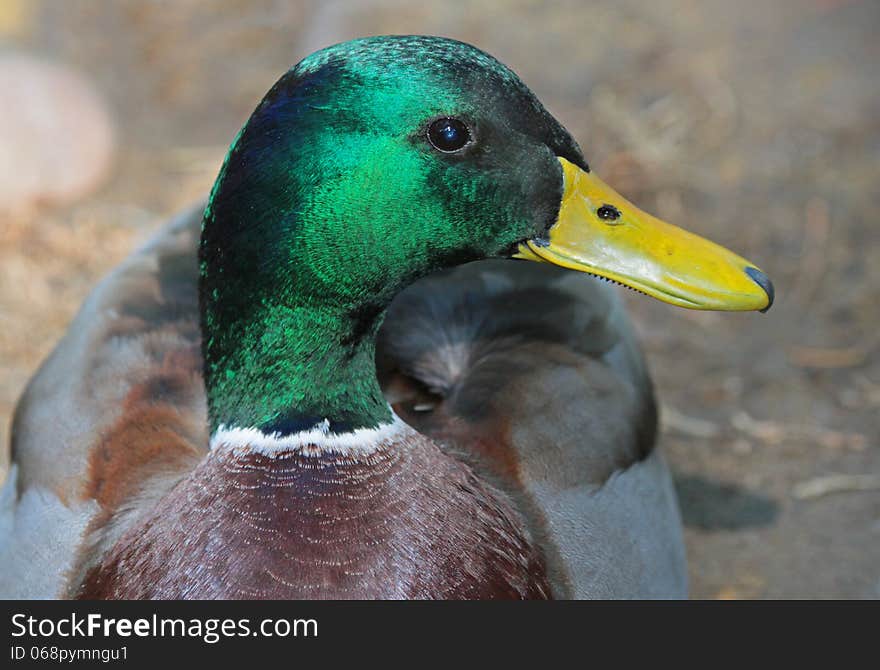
<point x="448" y="135"/>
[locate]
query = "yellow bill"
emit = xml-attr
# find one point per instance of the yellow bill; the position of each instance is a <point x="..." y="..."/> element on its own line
<point x="599" y="232"/>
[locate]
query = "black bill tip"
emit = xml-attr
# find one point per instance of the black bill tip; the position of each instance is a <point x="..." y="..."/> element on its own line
<point x="764" y="282"/>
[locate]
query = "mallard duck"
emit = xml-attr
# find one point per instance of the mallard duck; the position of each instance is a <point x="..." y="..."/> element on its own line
<point x="229" y="417"/>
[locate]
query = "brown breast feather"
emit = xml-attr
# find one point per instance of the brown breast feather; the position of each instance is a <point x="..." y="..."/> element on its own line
<point x="404" y="522"/>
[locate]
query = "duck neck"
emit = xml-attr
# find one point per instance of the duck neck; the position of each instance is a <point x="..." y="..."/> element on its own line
<point x="297" y="368"/>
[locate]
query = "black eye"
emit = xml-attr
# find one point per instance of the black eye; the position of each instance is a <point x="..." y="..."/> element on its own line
<point x="448" y="135"/>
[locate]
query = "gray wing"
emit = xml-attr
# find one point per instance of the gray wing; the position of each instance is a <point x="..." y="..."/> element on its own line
<point x="111" y="419"/>
<point x="532" y="374"/>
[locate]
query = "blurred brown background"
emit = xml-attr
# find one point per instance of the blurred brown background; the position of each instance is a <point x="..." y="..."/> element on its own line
<point x="754" y="123"/>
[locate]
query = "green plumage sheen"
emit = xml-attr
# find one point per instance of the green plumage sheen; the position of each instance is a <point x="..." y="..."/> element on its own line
<point x="332" y="199"/>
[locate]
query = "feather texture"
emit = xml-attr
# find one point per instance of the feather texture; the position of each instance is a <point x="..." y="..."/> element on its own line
<point x="526" y="378"/>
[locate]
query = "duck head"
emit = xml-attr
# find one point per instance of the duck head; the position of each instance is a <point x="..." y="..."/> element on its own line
<point x="378" y="161"/>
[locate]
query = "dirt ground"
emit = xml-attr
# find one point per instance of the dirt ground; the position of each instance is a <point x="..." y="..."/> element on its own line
<point x="754" y="123"/>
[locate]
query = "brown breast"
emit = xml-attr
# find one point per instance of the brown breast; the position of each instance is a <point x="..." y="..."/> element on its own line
<point x="404" y="522"/>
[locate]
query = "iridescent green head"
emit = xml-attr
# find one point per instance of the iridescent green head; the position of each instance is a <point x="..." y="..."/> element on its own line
<point x="368" y="165"/>
<point x="333" y="198"/>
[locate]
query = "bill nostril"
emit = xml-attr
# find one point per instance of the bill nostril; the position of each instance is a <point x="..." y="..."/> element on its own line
<point x="764" y="282"/>
<point x="608" y="213"/>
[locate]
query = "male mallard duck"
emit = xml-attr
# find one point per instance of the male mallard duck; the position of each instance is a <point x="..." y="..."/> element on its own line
<point x="213" y="426"/>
